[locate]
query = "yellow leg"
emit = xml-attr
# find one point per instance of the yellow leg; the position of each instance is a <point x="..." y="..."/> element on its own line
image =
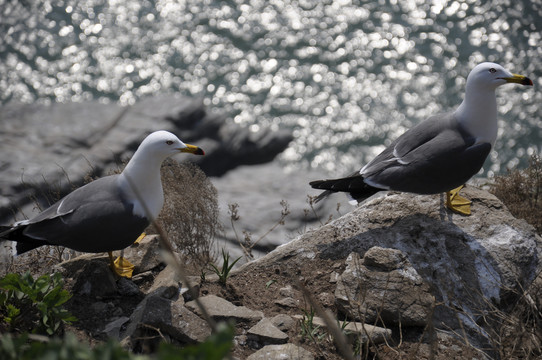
<point x="121" y="266"/>
<point x="457" y="203"/>
<point x="138" y="240"/>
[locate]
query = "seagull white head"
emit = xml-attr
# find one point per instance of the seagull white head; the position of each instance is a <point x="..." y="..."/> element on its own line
<point x="489" y="76"/>
<point x="140" y="179"/>
<point x="162" y="144"/>
<point x="477" y="114"/>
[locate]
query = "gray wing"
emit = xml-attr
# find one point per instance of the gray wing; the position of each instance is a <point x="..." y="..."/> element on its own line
<point x="93" y="218"/>
<point x="434" y="156"/>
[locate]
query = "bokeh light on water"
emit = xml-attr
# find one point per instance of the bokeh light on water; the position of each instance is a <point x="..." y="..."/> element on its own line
<point x="345" y="76"/>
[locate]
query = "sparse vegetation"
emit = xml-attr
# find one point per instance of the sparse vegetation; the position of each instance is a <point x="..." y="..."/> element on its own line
<point x="224" y="271"/>
<point x="190" y="213"/>
<point x="25" y="347"/>
<point x="309" y="330"/>
<point x="521" y="192"/>
<point x="28" y="304"/>
<point x="247" y="244"/>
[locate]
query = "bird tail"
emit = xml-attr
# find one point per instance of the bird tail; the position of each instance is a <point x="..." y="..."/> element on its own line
<point x="353" y="184"/>
<point x="23" y="244"/>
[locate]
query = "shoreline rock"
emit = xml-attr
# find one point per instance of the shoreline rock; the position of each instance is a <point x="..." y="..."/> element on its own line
<point x="53" y="147"/>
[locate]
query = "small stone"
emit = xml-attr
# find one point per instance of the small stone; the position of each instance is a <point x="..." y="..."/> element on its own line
<point x="127" y="287"/>
<point x="287" y="302"/>
<point x="98" y="307"/>
<point x="283" y="322"/>
<point x="113" y="328"/>
<point x="287" y="291"/>
<point x="221" y="309"/>
<point x="264" y="332"/>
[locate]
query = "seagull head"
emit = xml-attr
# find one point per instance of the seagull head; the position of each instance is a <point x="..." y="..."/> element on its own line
<point x="162" y="144"/>
<point x="490" y="75"/>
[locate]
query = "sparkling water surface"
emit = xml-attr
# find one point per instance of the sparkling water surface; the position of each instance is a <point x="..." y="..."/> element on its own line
<point x="346" y="76"/>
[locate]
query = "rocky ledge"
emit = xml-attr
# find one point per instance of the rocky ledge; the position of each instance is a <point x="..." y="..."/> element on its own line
<point x="400" y="269"/>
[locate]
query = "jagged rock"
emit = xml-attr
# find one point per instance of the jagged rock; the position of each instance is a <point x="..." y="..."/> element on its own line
<point x="166" y="283"/>
<point x="161" y="316"/>
<point x="221" y="309"/>
<point x="95" y="279"/>
<point x="474" y="265"/>
<point x="265" y="333"/>
<point x="281" y="352"/>
<point x="126" y="287"/>
<point x="283" y="322"/>
<point x="384" y="286"/>
<point x="145" y="255"/>
<point x="113" y="328"/>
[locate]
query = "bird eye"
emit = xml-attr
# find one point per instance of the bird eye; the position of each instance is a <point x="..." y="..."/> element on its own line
<point x="493" y="70"/>
<point x="169" y="142"/>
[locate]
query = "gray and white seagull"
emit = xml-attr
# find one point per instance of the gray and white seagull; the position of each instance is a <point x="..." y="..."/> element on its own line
<point x="108" y="213"/>
<point x="439" y="154"/>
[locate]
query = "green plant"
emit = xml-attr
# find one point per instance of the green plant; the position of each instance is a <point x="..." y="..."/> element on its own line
<point x="27" y="303"/>
<point x="25" y="347"/>
<point x="309" y="329"/>
<point x="224" y="272"/>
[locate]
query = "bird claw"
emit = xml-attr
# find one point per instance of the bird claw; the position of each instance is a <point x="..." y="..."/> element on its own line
<point x="121" y="266"/>
<point x="457" y="203"/>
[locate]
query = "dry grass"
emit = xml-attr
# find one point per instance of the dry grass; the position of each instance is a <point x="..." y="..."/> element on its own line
<point x="190" y="212"/>
<point x="521" y="192"/>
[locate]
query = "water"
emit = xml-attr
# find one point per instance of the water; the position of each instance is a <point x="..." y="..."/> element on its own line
<point x="345" y="76"/>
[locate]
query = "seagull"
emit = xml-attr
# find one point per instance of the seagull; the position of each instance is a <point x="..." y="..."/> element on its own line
<point x="106" y="214"/>
<point x="439" y="154"/>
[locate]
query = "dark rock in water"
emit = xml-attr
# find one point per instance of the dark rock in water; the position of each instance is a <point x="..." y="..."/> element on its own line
<point x="47" y="150"/>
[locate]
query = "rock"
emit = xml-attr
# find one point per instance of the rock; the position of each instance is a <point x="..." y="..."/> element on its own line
<point x="384" y="286"/>
<point x="145" y="255"/>
<point x="288" y="302"/>
<point x="166" y="283"/>
<point x="283" y="322"/>
<point x="221" y="309"/>
<point x="281" y="352"/>
<point x="92" y="137"/>
<point x="113" y="328"/>
<point x="287" y="291"/>
<point x="265" y="333"/>
<point x="474" y="265"/>
<point x="163" y="317"/>
<point x="95" y="279"/>
<point x="127" y="287"/>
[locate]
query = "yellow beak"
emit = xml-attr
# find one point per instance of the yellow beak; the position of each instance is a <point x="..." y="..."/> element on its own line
<point x="192" y="150"/>
<point x="518" y="79"/>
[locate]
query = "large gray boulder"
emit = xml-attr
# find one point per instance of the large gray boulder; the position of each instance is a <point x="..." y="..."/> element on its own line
<point x="474" y="266"/>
